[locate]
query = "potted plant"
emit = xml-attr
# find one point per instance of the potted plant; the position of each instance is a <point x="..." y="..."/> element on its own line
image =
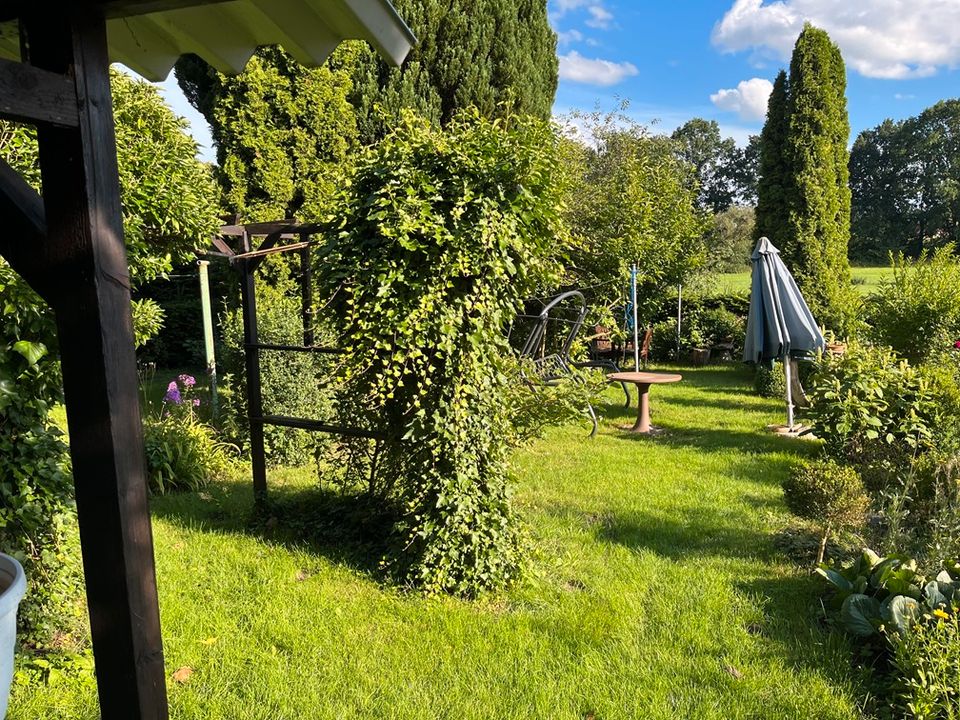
<point x="13" y="584"/>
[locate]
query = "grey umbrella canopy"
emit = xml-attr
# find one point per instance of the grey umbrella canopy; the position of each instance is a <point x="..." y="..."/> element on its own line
<point x="780" y="324"/>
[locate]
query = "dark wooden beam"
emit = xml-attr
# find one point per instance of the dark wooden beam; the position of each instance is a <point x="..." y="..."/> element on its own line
<point x="306" y="291"/>
<point x="87" y="265"/>
<point x="223" y="247"/>
<point x="29" y="94"/>
<point x="22" y="242"/>
<point x="251" y="342"/>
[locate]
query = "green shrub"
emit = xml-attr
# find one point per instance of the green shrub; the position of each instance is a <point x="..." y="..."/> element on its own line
<point x="442" y="235"/>
<point x="719" y="325"/>
<point x="770" y="382"/>
<point x="36" y="491"/>
<point x="184" y="453"/>
<point x="830" y="494"/>
<point x="927" y="662"/>
<point x="290" y="381"/>
<point x="869" y="397"/>
<point x="907" y="626"/>
<point x="917" y="310"/>
<point x="663" y="342"/>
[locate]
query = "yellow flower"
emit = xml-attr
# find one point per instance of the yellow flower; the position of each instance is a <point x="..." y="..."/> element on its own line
<point x="941" y="614"/>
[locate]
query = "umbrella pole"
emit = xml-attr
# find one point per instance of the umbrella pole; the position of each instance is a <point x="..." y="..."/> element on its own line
<point x="787" y="372"/>
<point x="636" y="329"/>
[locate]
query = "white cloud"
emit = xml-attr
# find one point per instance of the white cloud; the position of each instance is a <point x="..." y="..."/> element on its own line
<point x="600" y="17"/>
<point x="594" y="71"/>
<point x="748" y="99"/>
<point x="569" y="36"/>
<point x="891" y="39"/>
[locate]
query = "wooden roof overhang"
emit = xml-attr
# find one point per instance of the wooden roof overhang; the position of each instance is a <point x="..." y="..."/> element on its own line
<point x="68" y="245"/>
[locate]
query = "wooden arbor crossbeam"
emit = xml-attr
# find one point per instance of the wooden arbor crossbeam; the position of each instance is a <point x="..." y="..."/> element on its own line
<point x="246" y="262"/>
<point x="69" y="247"/>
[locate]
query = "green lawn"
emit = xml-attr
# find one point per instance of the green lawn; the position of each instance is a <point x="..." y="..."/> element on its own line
<point x="655" y="591"/>
<point x="865" y="280"/>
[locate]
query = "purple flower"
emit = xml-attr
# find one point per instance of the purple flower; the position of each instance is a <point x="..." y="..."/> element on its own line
<point x="173" y="393"/>
<point x="957" y="345"/>
<point x="196" y="402"/>
<point x="187" y="380"/>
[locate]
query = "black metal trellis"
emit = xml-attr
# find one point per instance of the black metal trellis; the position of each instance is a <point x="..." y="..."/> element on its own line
<point x="279" y="237"/>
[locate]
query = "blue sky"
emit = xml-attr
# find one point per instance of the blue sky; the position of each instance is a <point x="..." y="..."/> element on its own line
<point x="716" y="59"/>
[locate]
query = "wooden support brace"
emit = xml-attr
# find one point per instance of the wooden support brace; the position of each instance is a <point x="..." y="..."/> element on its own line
<point x="29" y="94"/>
<point x="86" y="263"/>
<point x="22" y="243"/>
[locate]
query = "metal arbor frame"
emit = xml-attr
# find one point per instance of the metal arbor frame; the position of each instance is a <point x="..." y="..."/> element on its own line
<point x="282" y="236"/>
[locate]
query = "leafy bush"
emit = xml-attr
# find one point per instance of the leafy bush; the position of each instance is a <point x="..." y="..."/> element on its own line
<point x="770" y="382"/>
<point x="36" y="492"/>
<point x="719" y="325"/>
<point x="290" y="381"/>
<point x="869" y="397"/>
<point x="442" y="235"/>
<point x="917" y="310"/>
<point x="831" y="495"/>
<point x="927" y="662"/>
<point x="182" y="452"/>
<point x="908" y="624"/>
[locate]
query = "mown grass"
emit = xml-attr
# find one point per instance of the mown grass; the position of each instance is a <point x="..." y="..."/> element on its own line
<point x="865" y="280"/>
<point x="654" y="591"/>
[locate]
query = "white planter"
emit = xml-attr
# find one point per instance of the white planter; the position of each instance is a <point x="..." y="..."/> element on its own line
<point x="13" y="584"/>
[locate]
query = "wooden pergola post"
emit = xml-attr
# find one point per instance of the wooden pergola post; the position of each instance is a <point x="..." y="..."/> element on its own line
<point x="83" y="273"/>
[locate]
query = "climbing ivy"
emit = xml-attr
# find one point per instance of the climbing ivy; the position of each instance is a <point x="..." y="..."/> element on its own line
<point x="440" y="235"/>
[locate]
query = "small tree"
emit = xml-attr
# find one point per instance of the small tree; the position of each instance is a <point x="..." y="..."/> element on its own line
<point x="630" y="200"/>
<point x="827" y="493"/>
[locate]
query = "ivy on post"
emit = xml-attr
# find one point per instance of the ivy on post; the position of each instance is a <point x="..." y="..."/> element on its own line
<point x="440" y="237"/>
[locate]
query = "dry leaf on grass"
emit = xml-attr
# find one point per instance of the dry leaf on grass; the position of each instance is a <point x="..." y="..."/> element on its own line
<point x="733" y="672"/>
<point x="181" y="675"/>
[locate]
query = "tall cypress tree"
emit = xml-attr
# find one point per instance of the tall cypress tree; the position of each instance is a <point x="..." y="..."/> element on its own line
<point x="489" y="53"/>
<point x="817" y="236"/>
<point x="774" y="174"/>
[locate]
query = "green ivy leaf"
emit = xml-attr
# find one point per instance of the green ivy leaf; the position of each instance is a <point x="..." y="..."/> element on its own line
<point x="31" y="351"/>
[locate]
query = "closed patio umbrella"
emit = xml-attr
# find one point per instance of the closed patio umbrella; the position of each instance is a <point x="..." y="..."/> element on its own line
<point x="780" y="325"/>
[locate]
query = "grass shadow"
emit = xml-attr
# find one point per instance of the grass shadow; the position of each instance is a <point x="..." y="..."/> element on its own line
<point x="347" y="529"/>
<point x="688" y="538"/>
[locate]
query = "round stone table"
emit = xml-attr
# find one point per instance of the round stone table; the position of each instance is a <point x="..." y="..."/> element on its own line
<point x="643" y="381"/>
